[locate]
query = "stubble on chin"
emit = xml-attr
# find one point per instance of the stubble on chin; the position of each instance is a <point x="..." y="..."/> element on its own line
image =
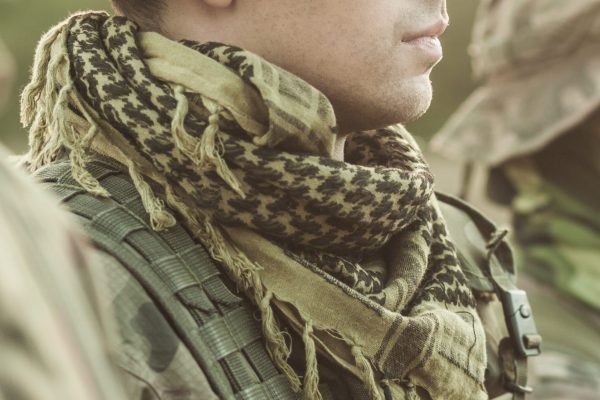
<point x="405" y="103"/>
<point x="367" y="107"/>
<point x="409" y="99"/>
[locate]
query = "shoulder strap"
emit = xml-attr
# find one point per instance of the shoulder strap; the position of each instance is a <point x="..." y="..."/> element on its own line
<point x="217" y="326"/>
<point x="487" y="260"/>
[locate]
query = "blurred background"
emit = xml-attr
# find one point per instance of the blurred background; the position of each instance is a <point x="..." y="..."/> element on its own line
<point x="23" y="21"/>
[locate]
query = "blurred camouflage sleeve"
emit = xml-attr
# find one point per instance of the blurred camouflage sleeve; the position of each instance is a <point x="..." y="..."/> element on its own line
<point x="156" y="362"/>
<point x="70" y="314"/>
<point x="557" y="212"/>
<point x="7" y="71"/>
<point x="52" y="344"/>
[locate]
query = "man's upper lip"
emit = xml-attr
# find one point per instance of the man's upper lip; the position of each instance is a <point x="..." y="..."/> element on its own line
<point x="434" y="30"/>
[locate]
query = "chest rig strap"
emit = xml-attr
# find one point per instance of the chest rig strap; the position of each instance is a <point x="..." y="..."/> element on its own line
<point x="488" y="263"/>
<point x="222" y="334"/>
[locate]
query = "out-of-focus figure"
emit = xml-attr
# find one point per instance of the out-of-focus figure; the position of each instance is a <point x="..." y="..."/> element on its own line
<point x="535" y="122"/>
<point x="51" y="340"/>
<point x="7" y="70"/>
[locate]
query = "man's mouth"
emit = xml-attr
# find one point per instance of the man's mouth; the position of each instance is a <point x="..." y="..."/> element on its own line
<point x="432" y="32"/>
<point x="427" y="40"/>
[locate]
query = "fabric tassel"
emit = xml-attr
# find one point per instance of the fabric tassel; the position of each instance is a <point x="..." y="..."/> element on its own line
<point x="42" y="97"/>
<point x="311" y="377"/>
<point x="60" y="133"/>
<point x="276" y="344"/>
<point x="160" y="218"/>
<point x="246" y="274"/>
<point x="32" y="93"/>
<point x="43" y="110"/>
<point x="366" y="371"/>
<point x="76" y="145"/>
<point x="209" y="148"/>
<point x="78" y="159"/>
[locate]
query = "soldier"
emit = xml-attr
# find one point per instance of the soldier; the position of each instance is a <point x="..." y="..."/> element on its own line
<point x="221" y="183"/>
<point x="535" y="122"/>
<point x="6" y="73"/>
<point x="52" y="343"/>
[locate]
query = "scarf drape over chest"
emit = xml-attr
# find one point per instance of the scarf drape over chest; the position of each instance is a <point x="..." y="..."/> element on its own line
<point x="353" y="256"/>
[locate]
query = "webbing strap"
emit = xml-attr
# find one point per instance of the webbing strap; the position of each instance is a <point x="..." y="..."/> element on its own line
<point x="260" y="361"/>
<point x="515" y="369"/>
<point x="524" y="340"/>
<point x="490" y="268"/>
<point x="271" y="389"/>
<point x="139" y="268"/>
<point x="217" y="326"/>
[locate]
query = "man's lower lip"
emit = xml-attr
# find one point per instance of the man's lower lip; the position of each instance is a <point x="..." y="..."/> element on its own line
<point x="430" y="45"/>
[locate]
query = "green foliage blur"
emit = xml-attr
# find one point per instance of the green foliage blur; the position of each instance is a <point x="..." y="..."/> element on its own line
<point x="22" y="22"/>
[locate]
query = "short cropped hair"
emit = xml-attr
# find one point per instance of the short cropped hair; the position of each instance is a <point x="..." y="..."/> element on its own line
<point x="146" y="13"/>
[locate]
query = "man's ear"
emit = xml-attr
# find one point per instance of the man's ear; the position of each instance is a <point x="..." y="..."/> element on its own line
<point x="218" y="3"/>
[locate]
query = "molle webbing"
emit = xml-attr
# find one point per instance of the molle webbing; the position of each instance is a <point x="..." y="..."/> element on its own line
<point x="182" y="279"/>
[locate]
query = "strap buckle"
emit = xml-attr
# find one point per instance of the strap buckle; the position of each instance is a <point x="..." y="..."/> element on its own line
<point x="520" y="322"/>
<point x="515" y="303"/>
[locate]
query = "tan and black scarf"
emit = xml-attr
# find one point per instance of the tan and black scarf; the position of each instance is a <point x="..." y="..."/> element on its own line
<point x="353" y="255"/>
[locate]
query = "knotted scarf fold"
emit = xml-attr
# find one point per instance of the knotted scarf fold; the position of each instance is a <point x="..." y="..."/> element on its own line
<point x="352" y="255"/>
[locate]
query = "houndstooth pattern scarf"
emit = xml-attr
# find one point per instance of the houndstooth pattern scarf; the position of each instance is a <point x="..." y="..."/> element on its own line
<point x="241" y="150"/>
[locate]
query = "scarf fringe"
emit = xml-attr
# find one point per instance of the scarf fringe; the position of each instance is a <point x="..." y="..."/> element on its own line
<point x="160" y="218"/>
<point x="39" y="73"/>
<point x="246" y="274"/>
<point x="79" y="156"/>
<point x="367" y="375"/>
<point x="209" y="149"/>
<point x="276" y="345"/>
<point x="311" y="377"/>
<point x="43" y="109"/>
<point x="77" y="145"/>
<point x="40" y="97"/>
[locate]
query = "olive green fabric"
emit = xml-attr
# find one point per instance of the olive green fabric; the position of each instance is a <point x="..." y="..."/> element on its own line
<point x="182" y="331"/>
<point x="53" y="334"/>
<point x="242" y="151"/>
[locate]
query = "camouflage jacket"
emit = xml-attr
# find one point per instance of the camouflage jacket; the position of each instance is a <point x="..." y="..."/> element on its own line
<point x="540" y="65"/>
<point x="52" y="345"/>
<point x="7" y="70"/>
<point x="181" y="332"/>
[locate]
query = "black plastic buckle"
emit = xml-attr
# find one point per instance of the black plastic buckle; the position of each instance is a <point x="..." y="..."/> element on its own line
<point x="520" y="322"/>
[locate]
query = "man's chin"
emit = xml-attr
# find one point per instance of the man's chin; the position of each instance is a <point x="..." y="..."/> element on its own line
<point x="402" y="103"/>
<point x="415" y="101"/>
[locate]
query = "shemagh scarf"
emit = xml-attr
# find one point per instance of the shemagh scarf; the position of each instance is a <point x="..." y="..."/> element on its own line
<point x="352" y="256"/>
